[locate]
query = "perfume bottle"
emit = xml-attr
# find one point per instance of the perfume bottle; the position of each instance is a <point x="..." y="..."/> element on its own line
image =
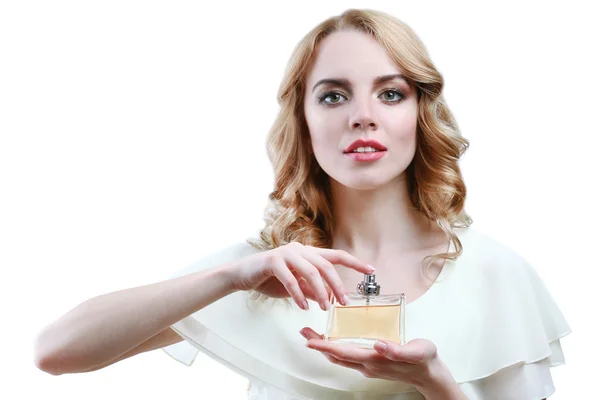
<point x="368" y="317"/>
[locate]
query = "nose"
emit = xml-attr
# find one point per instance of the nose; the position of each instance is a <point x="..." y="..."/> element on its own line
<point x="363" y="118"/>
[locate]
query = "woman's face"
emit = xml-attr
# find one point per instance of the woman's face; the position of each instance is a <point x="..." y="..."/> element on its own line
<point x="353" y="92"/>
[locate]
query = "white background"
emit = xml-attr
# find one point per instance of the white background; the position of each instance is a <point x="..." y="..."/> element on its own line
<point x="133" y="143"/>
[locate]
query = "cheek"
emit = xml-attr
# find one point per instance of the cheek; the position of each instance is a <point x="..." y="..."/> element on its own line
<point x="324" y="143"/>
<point x="324" y="132"/>
<point x="401" y="128"/>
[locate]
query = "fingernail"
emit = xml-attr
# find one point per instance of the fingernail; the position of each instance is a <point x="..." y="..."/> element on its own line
<point x="380" y="347"/>
<point x="325" y="305"/>
<point x="346" y="299"/>
<point x="372" y="267"/>
<point x="304" y="334"/>
<point x="305" y="304"/>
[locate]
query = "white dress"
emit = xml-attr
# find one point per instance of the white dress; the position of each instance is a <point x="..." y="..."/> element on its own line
<point x="495" y="325"/>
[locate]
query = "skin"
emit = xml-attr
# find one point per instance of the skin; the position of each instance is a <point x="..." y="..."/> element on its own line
<point x="364" y="193"/>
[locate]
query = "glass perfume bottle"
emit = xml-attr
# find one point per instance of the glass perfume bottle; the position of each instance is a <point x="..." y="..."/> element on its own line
<point x="368" y="317"/>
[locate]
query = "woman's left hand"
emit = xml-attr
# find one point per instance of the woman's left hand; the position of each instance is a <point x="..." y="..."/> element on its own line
<point x="413" y="362"/>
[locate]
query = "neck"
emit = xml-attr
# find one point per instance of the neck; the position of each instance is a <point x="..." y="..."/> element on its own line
<point x="381" y="221"/>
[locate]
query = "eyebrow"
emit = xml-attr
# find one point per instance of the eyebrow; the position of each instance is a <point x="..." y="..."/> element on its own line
<point x="344" y="82"/>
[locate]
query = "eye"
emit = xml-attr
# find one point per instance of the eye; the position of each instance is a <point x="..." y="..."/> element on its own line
<point x="392" y="95"/>
<point x="331" y="95"/>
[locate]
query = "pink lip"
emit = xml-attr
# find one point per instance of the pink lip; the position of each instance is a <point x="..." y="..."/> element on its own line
<point x="370" y="156"/>
<point x="365" y="143"/>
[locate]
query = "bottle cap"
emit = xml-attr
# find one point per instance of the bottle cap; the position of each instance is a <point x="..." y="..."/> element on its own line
<point x="368" y="286"/>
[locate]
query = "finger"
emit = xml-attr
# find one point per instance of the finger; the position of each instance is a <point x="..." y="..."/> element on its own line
<point x="413" y="352"/>
<point x="308" y="333"/>
<point x="308" y="291"/>
<point x="330" y="275"/>
<point x="337" y="359"/>
<point x="289" y="281"/>
<point x="344" y="258"/>
<point x="345" y="352"/>
<point x="348" y="364"/>
<point x="311" y="274"/>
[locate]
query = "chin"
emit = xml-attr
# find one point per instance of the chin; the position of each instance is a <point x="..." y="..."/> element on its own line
<point x="365" y="183"/>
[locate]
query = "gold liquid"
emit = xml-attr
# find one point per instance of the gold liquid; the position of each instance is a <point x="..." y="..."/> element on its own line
<point x="366" y="322"/>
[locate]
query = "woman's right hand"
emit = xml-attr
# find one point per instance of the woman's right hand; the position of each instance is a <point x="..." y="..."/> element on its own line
<point x="298" y="271"/>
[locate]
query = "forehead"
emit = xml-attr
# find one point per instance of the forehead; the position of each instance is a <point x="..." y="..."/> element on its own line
<point x="350" y="54"/>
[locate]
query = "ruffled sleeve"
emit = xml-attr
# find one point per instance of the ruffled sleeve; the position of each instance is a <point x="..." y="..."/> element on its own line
<point x="494" y="322"/>
<point x="190" y="328"/>
<point x="261" y="341"/>
<point x="513" y="326"/>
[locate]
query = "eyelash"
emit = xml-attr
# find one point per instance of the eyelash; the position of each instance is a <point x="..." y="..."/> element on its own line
<point x="327" y="94"/>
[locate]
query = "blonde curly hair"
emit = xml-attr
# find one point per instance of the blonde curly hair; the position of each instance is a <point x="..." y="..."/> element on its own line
<point x="300" y="207"/>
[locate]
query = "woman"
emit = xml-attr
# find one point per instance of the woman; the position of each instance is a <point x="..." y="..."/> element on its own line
<point x="365" y="153"/>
